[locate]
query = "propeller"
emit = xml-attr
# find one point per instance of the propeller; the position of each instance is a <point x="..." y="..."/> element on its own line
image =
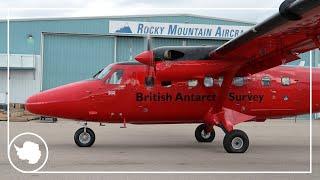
<point x="151" y="63"/>
<point x="147" y="58"/>
<point x="151" y="57"/>
<point x="148" y="43"/>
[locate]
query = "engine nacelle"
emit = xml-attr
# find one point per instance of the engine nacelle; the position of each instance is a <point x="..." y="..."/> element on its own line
<point x="189" y="69"/>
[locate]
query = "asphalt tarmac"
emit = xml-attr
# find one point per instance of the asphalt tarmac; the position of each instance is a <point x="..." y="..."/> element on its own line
<point x="275" y="145"/>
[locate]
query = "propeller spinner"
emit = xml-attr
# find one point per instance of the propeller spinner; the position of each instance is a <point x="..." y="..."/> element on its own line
<point x="147" y="58"/>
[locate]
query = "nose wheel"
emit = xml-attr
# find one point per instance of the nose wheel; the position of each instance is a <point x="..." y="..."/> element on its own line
<point x="202" y="135"/>
<point x="84" y="137"/>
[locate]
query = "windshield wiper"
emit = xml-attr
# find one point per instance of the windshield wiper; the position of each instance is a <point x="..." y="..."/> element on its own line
<point x="94" y="76"/>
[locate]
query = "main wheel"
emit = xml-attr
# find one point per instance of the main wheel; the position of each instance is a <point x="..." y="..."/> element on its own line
<point x="202" y="136"/>
<point x="236" y="141"/>
<point x="84" y="139"/>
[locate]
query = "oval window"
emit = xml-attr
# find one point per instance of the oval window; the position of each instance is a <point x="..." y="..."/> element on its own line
<point x="208" y="81"/>
<point x="238" y="81"/>
<point x="192" y="83"/>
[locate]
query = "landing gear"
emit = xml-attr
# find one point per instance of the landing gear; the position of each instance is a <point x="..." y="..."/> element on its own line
<point x="236" y="141"/>
<point x="203" y="136"/>
<point x="84" y="137"/>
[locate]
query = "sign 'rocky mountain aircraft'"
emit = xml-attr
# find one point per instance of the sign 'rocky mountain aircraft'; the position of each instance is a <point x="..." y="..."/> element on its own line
<point x="240" y="81"/>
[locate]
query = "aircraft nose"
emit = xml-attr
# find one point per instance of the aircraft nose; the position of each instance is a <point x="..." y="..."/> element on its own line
<point x="32" y="104"/>
<point x="44" y="103"/>
<point x="64" y="101"/>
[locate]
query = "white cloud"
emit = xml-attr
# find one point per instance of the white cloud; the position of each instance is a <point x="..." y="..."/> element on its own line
<point x="136" y="7"/>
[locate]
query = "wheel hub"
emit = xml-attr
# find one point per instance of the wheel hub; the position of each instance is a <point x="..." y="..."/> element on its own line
<point x="84" y="137"/>
<point x="205" y="135"/>
<point x="237" y="143"/>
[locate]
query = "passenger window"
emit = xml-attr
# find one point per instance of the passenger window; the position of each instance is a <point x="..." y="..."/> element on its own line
<point x="285" y="81"/>
<point x="266" y="81"/>
<point x="208" y="81"/>
<point x="192" y="83"/>
<point x="166" y="83"/>
<point x="116" y="77"/>
<point x="238" y="81"/>
<point x="149" y="81"/>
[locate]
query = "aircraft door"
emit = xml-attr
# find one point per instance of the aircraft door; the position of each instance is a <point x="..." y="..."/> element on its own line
<point x="115" y="95"/>
<point x="286" y="97"/>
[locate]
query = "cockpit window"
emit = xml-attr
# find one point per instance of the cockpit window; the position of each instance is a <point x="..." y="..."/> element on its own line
<point x="102" y="73"/>
<point x="116" y="77"/>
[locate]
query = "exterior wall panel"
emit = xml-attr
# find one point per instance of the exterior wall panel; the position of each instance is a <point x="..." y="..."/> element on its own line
<point x="3" y="37"/>
<point x="23" y="82"/>
<point x="184" y="19"/>
<point x="199" y="42"/>
<point x="158" y="42"/>
<point x="70" y="58"/>
<point x="303" y="57"/>
<point x="129" y="47"/>
<point x="20" y="30"/>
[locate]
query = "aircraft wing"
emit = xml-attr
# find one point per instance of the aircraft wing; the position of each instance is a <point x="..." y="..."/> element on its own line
<point x="280" y="39"/>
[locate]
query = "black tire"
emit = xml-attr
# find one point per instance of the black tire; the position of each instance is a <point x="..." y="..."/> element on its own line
<point x="199" y="134"/>
<point x="84" y="143"/>
<point x="236" y="141"/>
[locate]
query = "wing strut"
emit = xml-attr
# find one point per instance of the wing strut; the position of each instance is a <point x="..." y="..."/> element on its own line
<point x="216" y="114"/>
<point x="221" y="116"/>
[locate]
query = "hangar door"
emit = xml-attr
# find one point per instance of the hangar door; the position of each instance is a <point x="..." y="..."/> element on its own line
<point x="129" y="47"/>
<point x="158" y="42"/>
<point x="70" y="58"/>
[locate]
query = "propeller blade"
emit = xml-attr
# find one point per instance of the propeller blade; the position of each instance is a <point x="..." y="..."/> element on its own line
<point x="148" y="43"/>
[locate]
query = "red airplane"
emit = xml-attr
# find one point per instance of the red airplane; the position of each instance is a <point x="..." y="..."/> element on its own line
<point x="237" y="82"/>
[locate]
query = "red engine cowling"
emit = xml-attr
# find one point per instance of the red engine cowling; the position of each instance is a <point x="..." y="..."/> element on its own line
<point x="189" y="69"/>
